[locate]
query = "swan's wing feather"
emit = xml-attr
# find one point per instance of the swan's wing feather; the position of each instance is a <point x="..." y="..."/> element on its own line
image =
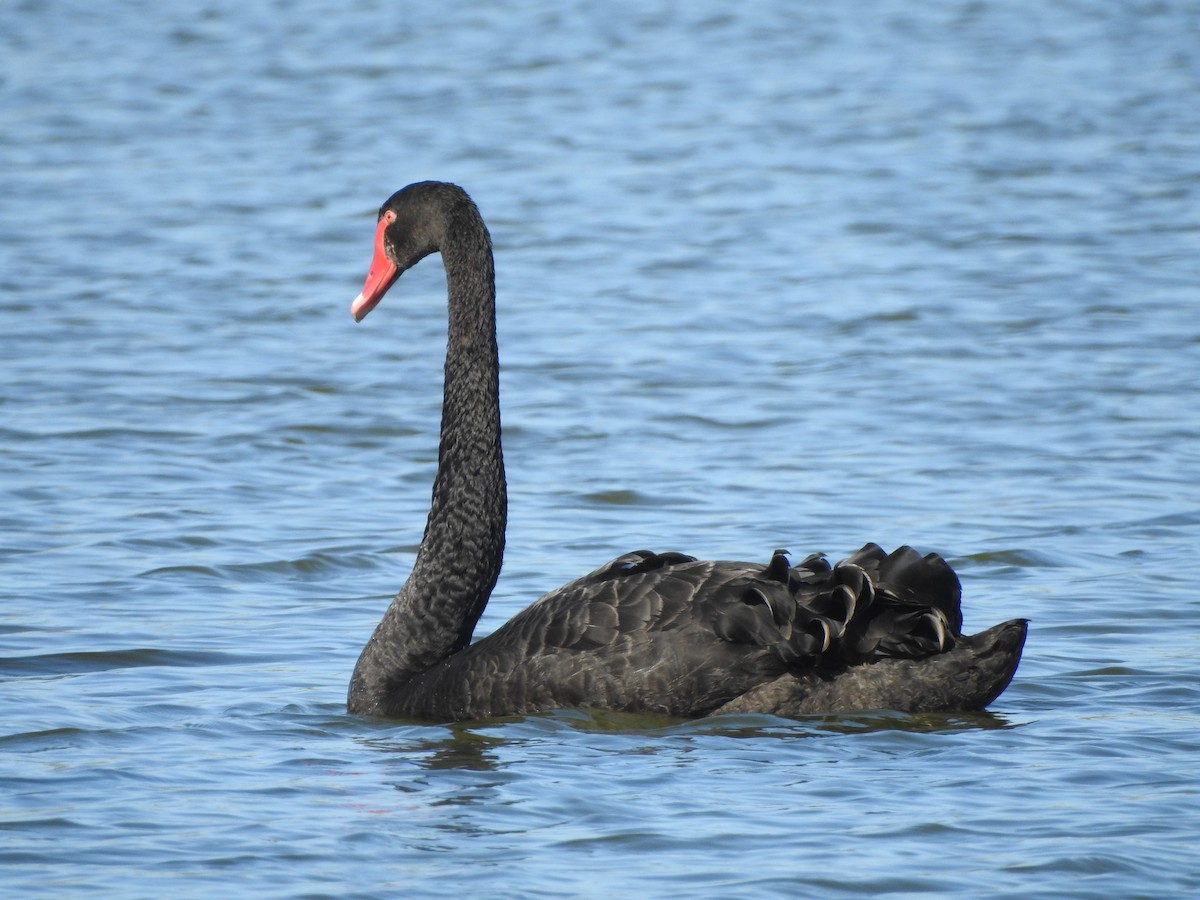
<point x="632" y="595"/>
<point x="636" y="562"/>
<point x="871" y="605"/>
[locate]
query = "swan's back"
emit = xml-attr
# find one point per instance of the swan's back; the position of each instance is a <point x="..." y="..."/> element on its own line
<point x="666" y="633"/>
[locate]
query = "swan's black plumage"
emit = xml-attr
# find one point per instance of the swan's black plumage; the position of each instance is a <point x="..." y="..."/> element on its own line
<point x="649" y="632"/>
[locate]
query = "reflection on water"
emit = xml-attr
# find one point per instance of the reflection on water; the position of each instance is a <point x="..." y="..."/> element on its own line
<point x="481" y="746"/>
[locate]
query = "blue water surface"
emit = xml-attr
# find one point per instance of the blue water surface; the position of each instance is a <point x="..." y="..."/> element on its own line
<point x="770" y="275"/>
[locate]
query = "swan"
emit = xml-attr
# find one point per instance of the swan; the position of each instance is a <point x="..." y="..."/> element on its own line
<point x="647" y="632"/>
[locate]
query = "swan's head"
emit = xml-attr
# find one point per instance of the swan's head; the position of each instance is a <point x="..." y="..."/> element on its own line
<point x="409" y="229"/>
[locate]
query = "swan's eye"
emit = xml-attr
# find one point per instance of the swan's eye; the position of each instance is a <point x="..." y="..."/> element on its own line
<point x="389" y="216"/>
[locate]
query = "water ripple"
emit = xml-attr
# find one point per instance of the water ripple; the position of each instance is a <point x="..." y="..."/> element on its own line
<point x="79" y="662"/>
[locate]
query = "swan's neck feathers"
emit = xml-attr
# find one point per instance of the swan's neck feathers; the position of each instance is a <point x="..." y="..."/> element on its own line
<point x="434" y="614"/>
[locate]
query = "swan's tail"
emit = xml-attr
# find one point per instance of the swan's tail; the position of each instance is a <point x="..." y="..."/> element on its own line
<point x="876" y="630"/>
<point x="968" y="677"/>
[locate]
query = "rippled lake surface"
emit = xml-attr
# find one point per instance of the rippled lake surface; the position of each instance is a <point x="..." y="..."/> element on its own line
<point x="771" y="275"/>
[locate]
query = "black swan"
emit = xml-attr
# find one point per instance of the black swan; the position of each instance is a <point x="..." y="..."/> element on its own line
<point x="648" y="632"/>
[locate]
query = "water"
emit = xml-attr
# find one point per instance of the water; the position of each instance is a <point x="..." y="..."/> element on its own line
<point x="770" y="276"/>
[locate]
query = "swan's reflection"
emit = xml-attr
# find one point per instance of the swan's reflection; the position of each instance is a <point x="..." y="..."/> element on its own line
<point x="482" y="745"/>
<point x="524" y="774"/>
<point x="454" y="746"/>
<point x="463" y="748"/>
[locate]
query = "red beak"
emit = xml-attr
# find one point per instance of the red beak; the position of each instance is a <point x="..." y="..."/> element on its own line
<point x="381" y="276"/>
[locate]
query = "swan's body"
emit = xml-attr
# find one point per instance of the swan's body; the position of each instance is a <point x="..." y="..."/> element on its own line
<point x="647" y="632"/>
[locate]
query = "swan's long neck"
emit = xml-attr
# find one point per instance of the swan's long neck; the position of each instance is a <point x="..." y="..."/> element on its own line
<point x="459" y="559"/>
